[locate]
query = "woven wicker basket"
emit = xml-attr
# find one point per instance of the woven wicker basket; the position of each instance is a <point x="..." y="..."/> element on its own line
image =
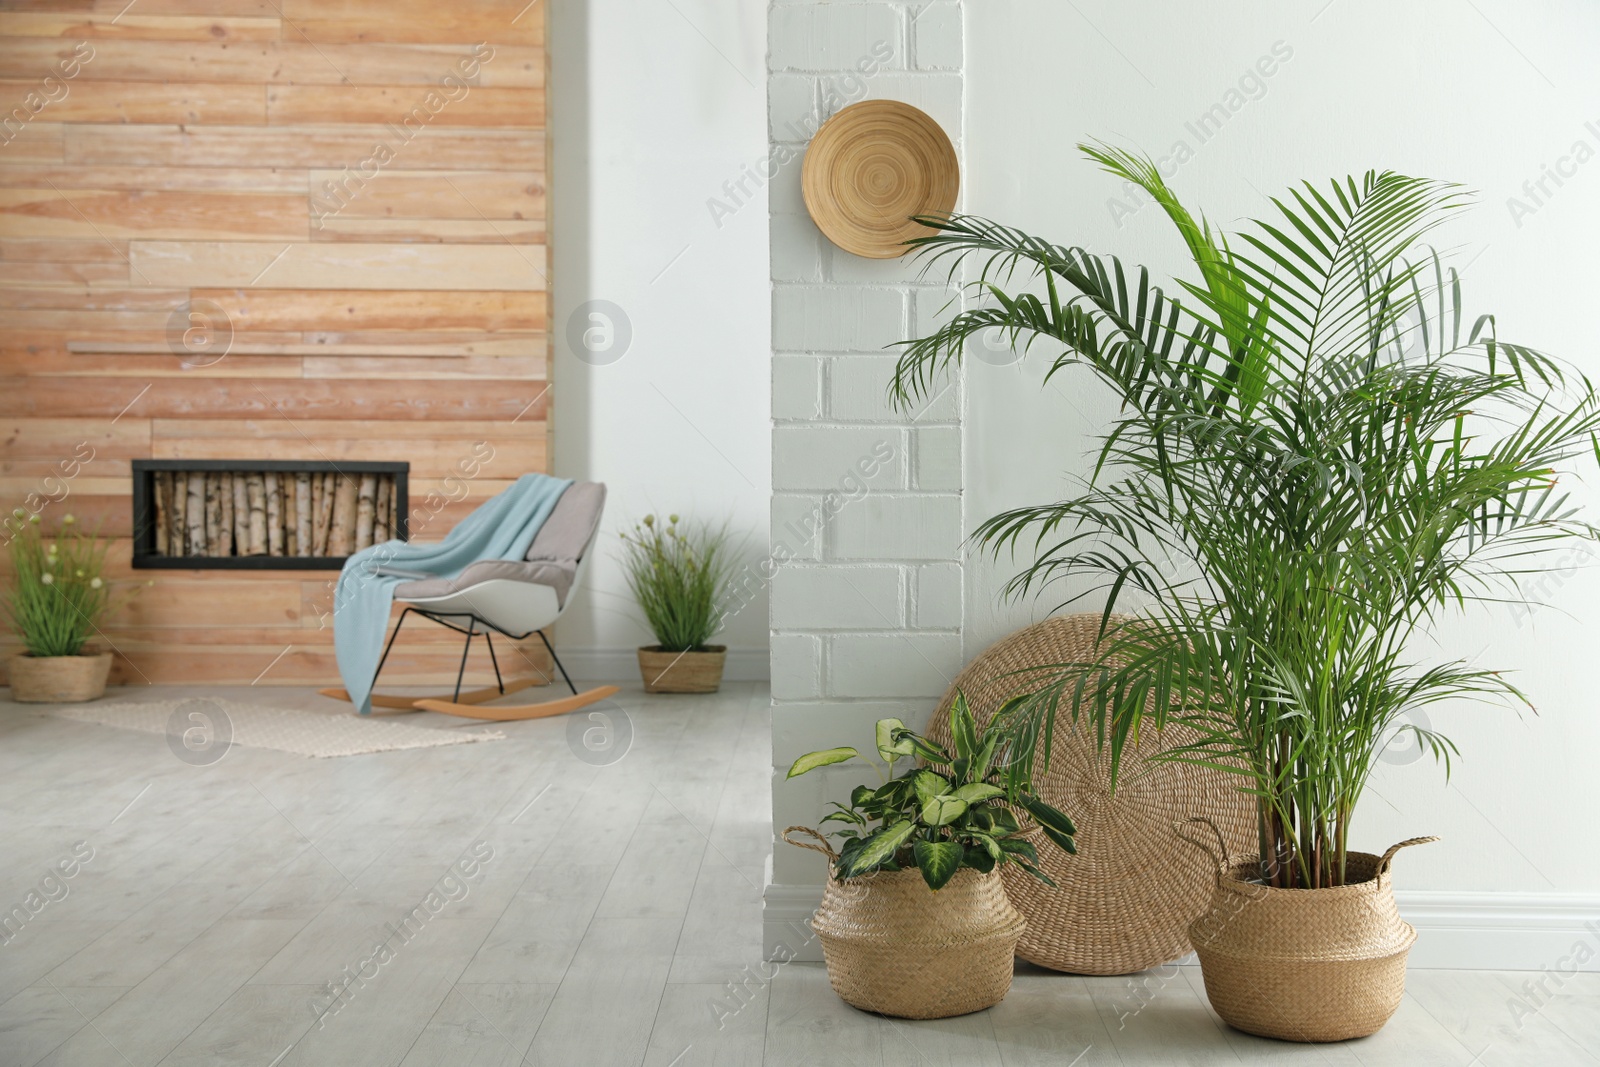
<point x="895" y="947"/>
<point x="682" y="672"/>
<point x="1305" y="964"/>
<point x="1124" y="902"/>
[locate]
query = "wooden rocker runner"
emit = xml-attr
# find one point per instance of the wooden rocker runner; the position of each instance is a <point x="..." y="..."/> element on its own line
<point x="513" y="598"/>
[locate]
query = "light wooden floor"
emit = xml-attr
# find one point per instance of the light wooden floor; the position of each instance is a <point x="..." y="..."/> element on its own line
<point x="617" y="915"/>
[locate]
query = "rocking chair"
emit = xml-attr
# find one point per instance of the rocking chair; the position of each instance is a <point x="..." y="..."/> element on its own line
<point x="513" y="598"/>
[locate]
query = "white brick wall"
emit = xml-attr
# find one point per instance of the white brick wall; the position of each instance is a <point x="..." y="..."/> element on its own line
<point x="832" y="37"/>
<point x="904" y="527"/>
<point x="835" y="457"/>
<point x="893" y="665"/>
<point x="833" y="597"/>
<point x="936" y="42"/>
<point x="866" y="600"/>
<point x="836" y="318"/>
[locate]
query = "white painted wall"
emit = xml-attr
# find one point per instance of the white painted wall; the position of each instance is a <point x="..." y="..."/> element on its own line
<point x="1485" y="93"/>
<point x="653" y="108"/>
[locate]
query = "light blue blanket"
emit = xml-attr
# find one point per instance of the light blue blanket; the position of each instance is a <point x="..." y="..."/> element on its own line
<point x="501" y="528"/>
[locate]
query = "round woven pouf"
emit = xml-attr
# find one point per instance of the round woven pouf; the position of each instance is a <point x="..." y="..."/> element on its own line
<point x="872" y="167"/>
<point x="1125" y="901"/>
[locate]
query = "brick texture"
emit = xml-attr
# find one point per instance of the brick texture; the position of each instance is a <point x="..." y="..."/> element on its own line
<point x="866" y="595"/>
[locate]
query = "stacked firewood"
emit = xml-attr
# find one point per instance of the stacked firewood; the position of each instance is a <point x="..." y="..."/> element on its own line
<point x="271" y="513"/>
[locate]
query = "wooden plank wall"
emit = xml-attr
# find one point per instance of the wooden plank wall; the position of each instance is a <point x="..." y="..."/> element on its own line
<point x="348" y="196"/>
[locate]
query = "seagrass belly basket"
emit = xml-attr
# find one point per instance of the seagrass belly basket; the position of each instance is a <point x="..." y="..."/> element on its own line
<point x="895" y="947"/>
<point x="1305" y="964"/>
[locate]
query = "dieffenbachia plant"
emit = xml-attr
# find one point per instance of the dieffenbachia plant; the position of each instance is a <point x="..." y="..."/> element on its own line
<point x="951" y="810"/>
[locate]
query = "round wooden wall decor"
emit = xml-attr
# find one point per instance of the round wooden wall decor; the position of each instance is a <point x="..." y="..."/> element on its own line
<point x="873" y="166"/>
<point x="1125" y="901"/>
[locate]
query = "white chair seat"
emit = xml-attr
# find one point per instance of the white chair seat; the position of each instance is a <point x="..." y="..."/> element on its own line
<point x="512" y="607"/>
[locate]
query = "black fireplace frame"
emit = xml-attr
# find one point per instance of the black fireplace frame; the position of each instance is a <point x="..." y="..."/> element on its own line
<point x="144" y="534"/>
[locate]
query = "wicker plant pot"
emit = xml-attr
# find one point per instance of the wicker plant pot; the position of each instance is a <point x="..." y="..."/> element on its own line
<point x="895" y="947"/>
<point x="682" y="672"/>
<point x="1305" y="964"/>
<point x="58" y="679"/>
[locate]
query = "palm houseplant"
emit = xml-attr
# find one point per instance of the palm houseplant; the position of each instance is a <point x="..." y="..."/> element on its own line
<point x="1317" y="454"/>
<point x="915" y="922"/>
<point x="680" y="574"/>
<point x="56" y="602"/>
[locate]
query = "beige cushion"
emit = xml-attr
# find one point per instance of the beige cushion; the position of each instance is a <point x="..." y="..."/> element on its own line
<point x="555" y="575"/>
<point x="552" y="559"/>
<point x="571" y="525"/>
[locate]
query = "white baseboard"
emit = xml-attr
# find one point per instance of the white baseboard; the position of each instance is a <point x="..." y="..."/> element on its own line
<point x="786" y="923"/>
<point x="1466" y="931"/>
<point x="602" y="664"/>
<point x="1502" y="931"/>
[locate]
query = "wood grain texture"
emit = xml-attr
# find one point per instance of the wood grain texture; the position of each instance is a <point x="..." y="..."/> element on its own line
<point x="423" y="21"/>
<point x="352" y="193"/>
<point x="137" y="26"/>
<point x="37" y="142"/>
<point x="286" y="62"/>
<point x="364" y="147"/>
<point x="430" y="231"/>
<point x="466" y="343"/>
<point x="89" y="213"/>
<point x="437" y="194"/>
<point x="52" y="363"/>
<point x="151" y="179"/>
<point x="455" y="105"/>
<point x="134" y="101"/>
<point x="510" y="452"/>
<point x="337" y="265"/>
<point x="69" y="274"/>
<point x="288" y="309"/>
<point x="200" y="397"/>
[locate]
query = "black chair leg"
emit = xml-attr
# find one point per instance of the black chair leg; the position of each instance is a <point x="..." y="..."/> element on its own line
<point x="385" y="657"/>
<point x="557" y="660"/>
<point x="462" y="673"/>
<point x="497" y="679"/>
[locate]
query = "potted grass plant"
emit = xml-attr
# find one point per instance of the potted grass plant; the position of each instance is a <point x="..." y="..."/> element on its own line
<point x="915" y="921"/>
<point x="1317" y="454"/>
<point x="679" y="572"/>
<point x="57" y="599"/>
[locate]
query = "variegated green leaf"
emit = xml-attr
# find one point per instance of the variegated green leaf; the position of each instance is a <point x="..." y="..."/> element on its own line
<point x="880" y="846"/>
<point x="942" y="811"/>
<point x="890" y="749"/>
<point x="938" y="860"/>
<point x="979" y="791"/>
<point x="812" y="760"/>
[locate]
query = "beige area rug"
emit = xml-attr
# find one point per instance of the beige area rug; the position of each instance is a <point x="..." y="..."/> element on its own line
<point x="199" y="729"/>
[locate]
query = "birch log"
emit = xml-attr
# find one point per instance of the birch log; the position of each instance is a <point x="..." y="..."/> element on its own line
<point x="319" y="511"/>
<point x="365" y="512"/>
<point x="213" y="513"/>
<point x="302" y="514"/>
<point x="274" y="491"/>
<point x="160" y="510"/>
<point x="344" y="518"/>
<point x="164" y="516"/>
<point x="256" y="491"/>
<point x="241" y="513"/>
<point x="291" y="528"/>
<point x="380" y="509"/>
<point x="325" y="523"/>
<point x="178" y="515"/>
<point x="195" y="514"/>
<point x="226" y="520"/>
